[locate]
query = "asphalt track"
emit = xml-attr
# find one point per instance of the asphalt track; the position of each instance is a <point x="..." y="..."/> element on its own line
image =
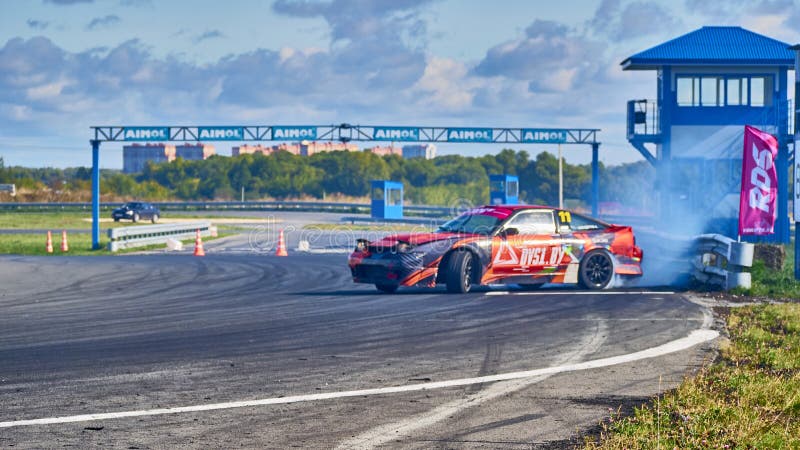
<point x="93" y="335"/>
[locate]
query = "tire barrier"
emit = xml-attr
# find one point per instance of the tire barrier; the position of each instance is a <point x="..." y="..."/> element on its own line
<point x="721" y="261"/>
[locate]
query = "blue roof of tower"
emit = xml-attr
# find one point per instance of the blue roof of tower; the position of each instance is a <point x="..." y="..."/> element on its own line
<point x="714" y="46"/>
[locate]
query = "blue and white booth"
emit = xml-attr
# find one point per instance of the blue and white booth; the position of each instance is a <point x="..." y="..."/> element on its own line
<point x="710" y="83"/>
<point x="503" y="189"/>
<point x="387" y="199"/>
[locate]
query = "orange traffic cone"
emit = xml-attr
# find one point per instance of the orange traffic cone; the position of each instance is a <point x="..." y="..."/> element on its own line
<point x="198" y="245"/>
<point x="281" y="246"/>
<point x="49" y="245"/>
<point x="64" y="244"/>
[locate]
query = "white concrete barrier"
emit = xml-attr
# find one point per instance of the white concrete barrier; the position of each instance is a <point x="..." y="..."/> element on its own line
<point x="138" y="236"/>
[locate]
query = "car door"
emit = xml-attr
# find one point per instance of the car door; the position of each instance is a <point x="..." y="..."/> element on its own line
<point x="527" y="245"/>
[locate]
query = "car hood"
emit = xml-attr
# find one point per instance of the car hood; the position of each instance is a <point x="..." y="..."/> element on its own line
<point x="415" y="238"/>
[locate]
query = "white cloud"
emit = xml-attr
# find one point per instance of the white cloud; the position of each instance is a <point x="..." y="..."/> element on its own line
<point x="47" y="91"/>
<point x="375" y="69"/>
<point x="443" y="85"/>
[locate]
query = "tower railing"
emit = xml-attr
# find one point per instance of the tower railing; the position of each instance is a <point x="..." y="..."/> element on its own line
<point x="643" y="118"/>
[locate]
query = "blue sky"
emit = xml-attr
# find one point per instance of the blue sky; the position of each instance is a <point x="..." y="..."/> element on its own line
<point x="66" y="65"/>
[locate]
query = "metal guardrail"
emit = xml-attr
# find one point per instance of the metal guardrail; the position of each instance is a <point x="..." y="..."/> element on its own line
<point x="721" y="261"/>
<point x="428" y="221"/>
<point x="364" y="208"/>
<point x="138" y="236"/>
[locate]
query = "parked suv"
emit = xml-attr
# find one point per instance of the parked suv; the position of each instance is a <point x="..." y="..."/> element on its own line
<point x="136" y="211"/>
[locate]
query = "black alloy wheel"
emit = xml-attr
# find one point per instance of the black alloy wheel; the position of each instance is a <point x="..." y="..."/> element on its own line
<point x="597" y="270"/>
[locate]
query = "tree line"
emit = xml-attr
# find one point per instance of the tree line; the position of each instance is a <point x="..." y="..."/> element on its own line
<point x="439" y="181"/>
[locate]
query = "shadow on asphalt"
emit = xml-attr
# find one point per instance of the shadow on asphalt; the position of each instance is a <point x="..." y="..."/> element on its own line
<point x="484" y="290"/>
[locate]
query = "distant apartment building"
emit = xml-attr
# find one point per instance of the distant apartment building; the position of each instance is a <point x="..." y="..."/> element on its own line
<point x="194" y="152"/>
<point x="136" y="156"/>
<point x="250" y="150"/>
<point x="293" y="148"/>
<point x="427" y="151"/>
<point x="303" y="148"/>
<point x="309" y="148"/>
<point x="383" y="151"/>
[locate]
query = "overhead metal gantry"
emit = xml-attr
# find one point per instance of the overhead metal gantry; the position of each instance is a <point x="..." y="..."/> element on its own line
<point x="343" y="132"/>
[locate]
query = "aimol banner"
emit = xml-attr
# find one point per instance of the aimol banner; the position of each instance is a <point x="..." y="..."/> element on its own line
<point x="469" y="135"/>
<point x="146" y="134"/>
<point x="220" y="133"/>
<point x="543" y="136"/>
<point x="395" y="134"/>
<point x="759" y="196"/>
<point x="297" y="133"/>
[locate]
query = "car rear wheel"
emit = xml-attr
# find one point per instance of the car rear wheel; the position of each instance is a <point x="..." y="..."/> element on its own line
<point x="135" y="218"/>
<point x="155" y="218"/>
<point x="387" y="288"/>
<point x="458" y="273"/>
<point x="597" y="270"/>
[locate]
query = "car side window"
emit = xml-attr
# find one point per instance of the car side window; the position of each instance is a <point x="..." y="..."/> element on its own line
<point x="581" y="223"/>
<point x="533" y="222"/>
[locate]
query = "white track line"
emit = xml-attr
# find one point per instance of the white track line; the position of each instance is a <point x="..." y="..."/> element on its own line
<point x="694" y="338"/>
<point x="382" y="434"/>
<point x="546" y="292"/>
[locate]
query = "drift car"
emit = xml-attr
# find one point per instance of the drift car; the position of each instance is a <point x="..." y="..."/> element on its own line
<point x="524" y="245"/>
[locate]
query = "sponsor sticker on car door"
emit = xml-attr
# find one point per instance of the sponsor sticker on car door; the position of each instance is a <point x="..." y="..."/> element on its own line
<point x="530" y="247"/>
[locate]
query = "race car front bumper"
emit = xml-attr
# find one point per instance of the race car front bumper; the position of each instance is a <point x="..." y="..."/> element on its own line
<point x="388" y="268"/>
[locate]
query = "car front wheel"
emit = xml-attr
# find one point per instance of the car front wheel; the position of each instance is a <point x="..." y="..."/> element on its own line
<point x="155" y="218"/>
<point x="135" y="218"/>
<point x="597" y="270"/>
<point x="458" y="273"/>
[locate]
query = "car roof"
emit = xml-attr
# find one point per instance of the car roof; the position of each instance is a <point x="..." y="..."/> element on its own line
<point x="517" y="207"/>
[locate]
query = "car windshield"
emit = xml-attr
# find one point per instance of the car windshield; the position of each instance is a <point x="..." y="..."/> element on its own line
<point x="131" y="205"/>
<point x="471" y="223"/>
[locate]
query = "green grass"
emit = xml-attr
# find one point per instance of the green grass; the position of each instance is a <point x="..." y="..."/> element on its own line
<point x="79" y="244"/>
<point x="71" y="220"/>
<point x="749" y="399"/>
<point x="772" y="283"/>
<point x="77" y="220"/>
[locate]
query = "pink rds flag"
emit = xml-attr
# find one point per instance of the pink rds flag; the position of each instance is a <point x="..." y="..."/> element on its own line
<point x="759" y="197"/>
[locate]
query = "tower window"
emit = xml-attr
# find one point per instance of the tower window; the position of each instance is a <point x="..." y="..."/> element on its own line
<point x="711" y="91"/>
<point x="736" y="91"/>
<point x="753" y="91"/>
<point x="757" y="96"/>
<point x="688" y="91"/>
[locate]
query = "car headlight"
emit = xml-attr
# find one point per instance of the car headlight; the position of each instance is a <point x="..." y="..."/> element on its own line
<point x="128" y="213"/>
<point x="403" y="247"/>
<point x="361" y="245"/>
